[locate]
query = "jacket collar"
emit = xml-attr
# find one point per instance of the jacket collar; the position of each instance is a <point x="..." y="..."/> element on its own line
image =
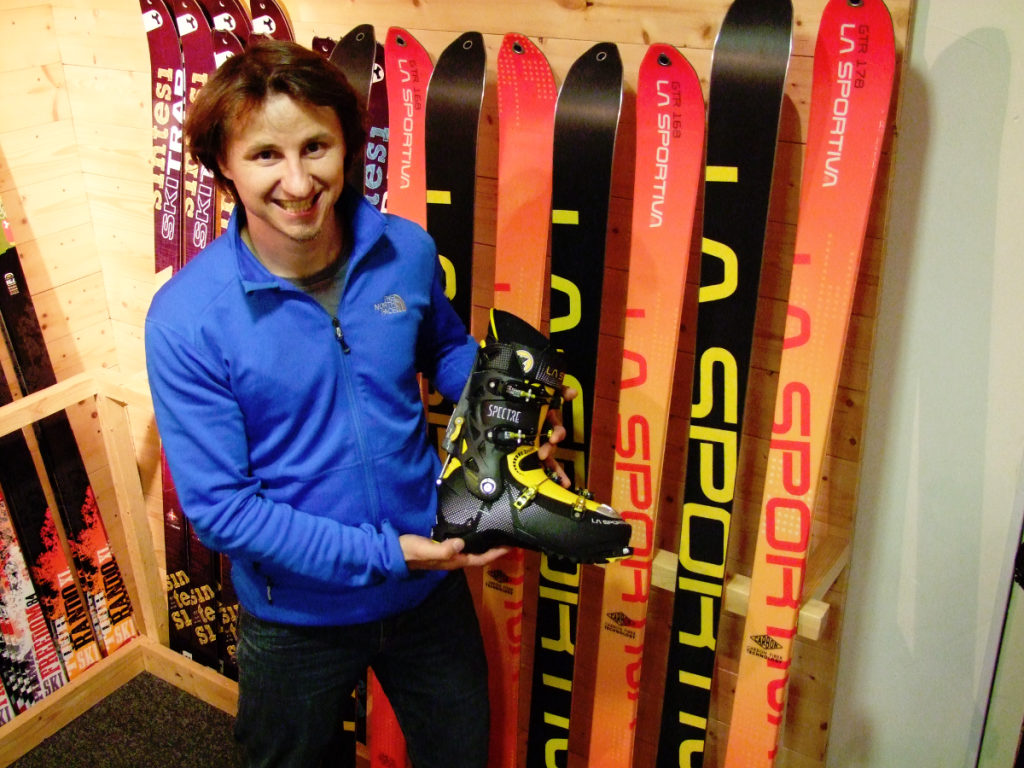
<point x="366" y="225"/>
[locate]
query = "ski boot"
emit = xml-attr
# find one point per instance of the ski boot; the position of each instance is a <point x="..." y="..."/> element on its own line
<point x="494" y="490"/>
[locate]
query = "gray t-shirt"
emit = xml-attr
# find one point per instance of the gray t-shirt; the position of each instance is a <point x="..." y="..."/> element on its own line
<point x="325" y="286"/>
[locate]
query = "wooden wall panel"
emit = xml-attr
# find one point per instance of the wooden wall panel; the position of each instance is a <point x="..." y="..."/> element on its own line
<point x="38" y="153"/>
<point x="75" y="162"/>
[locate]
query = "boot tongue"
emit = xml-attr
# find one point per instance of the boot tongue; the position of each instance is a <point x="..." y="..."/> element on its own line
<point x="506" y="328"/>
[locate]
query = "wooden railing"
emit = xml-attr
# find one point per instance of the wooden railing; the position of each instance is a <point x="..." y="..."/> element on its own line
<point x="137" y="557"/>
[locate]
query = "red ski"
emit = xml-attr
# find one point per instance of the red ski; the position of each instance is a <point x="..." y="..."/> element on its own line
<point x="526" y="125"/>
<point x="410" y="68"/>
<point x="854" y="60"/>
<point x="669" y="155"/>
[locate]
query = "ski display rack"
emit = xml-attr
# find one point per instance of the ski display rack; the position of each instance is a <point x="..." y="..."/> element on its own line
<point x="562" y="45"/>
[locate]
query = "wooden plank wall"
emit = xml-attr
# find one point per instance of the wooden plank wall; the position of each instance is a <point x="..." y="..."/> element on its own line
<point x="76" y="178"/>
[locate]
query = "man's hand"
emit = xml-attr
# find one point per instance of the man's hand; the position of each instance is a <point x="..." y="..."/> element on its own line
<point x="546" y="451"/>
<point x="427" y="554"/>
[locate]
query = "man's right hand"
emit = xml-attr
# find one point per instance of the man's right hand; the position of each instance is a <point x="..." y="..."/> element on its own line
<point x="422" y="553"/>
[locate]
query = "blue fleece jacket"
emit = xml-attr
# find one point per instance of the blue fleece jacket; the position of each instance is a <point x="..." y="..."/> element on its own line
<point x="297" y="440"/>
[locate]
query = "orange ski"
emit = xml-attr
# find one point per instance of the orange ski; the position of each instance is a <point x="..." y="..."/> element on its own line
<point x="854" y="61"/>
<point x="526" y="125"/>
<point x="669" y="154"/>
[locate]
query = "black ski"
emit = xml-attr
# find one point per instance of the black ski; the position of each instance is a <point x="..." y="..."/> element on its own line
<point x="586" y="122"/>
<point x="30" y="514"/>
<point x="108" y="603"/>
<point x="748" y="75"/>
<point x="454" y="98"/>
<point x="354" y="56"/>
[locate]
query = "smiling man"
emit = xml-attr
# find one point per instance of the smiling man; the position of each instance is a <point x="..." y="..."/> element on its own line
<point x="283" y="362"/>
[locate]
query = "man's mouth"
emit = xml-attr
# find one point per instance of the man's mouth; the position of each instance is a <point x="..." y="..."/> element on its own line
<point x="298" y="206"/>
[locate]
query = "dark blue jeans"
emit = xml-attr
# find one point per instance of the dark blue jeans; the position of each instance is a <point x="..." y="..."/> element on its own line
<point x="429" y="660"/>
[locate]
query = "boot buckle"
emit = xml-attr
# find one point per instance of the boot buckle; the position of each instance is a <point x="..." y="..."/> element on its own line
<point x="579" y="507"/>
<point x="524" y="498"/>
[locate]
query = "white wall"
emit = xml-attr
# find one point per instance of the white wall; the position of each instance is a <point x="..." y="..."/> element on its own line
<point x="937" y="519"/>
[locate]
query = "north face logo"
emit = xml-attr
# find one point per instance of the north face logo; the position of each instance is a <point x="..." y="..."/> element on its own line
<point x="766" y="642"/>
<point x="622" y="620"/>
<point x="392" y="305"/>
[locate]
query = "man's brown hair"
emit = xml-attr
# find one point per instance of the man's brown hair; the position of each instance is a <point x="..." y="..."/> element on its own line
<point x="243" y="83"/>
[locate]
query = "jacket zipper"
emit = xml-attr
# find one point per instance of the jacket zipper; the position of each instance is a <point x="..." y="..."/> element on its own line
<point x="339" y="335"/>
<point x="371" y="487"/>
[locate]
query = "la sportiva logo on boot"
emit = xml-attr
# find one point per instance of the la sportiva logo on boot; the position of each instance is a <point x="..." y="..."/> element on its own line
<point x="525" y="360"/>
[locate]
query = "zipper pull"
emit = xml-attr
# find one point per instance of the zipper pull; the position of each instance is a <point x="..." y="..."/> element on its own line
<point x="339" y="335"/>
<point x="270" y="597"/>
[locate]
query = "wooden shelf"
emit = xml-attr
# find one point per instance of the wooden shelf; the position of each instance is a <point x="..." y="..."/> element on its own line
<point x="824" y="565"/>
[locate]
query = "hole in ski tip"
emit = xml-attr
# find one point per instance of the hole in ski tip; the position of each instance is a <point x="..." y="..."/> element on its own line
<point x="360" y="36"/>
<point x="517" y="47"/>
<point x="664" y="60"/>
<point x="400" y="40"/>
<point x="467" y="45"/>
<point x="601" y="56"/>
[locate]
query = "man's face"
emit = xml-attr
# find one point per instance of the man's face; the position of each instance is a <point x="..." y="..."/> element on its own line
<point x="287" y="162"/>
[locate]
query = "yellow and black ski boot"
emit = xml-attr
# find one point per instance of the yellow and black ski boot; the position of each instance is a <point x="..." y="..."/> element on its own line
<point x="494" y="490"/>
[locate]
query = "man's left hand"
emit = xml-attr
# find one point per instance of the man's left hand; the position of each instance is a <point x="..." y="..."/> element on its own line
<point x="557" y="435"/>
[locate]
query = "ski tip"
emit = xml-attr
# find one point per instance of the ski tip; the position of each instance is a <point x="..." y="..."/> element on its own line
<point x="517" y="44"/>
<point x="467" y="41"/>
<point x="359" y="35"/>
<point x="603" y="53"/>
